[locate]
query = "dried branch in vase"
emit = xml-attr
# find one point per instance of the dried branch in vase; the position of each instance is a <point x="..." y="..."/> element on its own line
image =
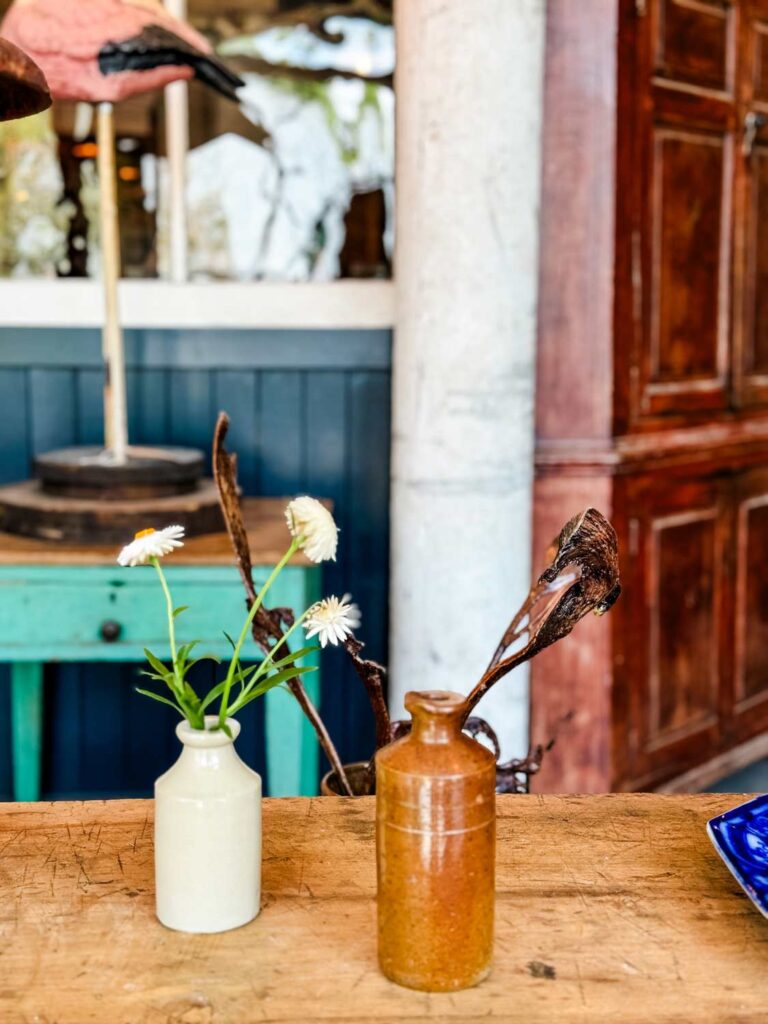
<point x="372" y="676"/>
<point x="582" y="576"/>
<point x="515" y="776"/>
<point x="267" y="627"/>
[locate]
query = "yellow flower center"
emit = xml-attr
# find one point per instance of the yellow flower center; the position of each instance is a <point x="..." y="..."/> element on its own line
<point x="144" y="533"/>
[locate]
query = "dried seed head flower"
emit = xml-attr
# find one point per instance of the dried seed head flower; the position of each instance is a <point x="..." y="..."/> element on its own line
<point x="151" y="544"/>
<point x="313" y="526"/>
<point x="332" y="620"/>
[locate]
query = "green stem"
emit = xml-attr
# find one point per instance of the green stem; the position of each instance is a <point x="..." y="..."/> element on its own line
<point x="266" y="663"/>
<point x="171" y="621"/>
<point x="195" y="719"/>
<point x="295" y="545"/>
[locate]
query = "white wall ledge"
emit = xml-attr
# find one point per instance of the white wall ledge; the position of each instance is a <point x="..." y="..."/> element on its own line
<point x="338" y="305"/>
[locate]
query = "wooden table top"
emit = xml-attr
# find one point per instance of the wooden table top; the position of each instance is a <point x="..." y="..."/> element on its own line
<point x="264" y="520"/>
<point x="610" y="909"/>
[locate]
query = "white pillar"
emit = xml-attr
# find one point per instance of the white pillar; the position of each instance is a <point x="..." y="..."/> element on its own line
<point x="469" y="104"/>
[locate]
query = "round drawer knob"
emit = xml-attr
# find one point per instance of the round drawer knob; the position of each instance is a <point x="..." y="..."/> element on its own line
<point x="110" y="631"/>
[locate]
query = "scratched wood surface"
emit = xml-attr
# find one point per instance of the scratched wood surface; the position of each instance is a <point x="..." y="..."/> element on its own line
<point x="610" y="908"/>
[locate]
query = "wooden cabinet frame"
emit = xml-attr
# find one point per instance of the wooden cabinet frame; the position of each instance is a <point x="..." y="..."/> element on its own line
<point x="652" y="370"/>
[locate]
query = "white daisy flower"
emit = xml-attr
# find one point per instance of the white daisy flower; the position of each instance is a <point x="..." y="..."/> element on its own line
<point x="312" y="524"/>
<point x="151" y="544"/>
<point x="332" y="620"/>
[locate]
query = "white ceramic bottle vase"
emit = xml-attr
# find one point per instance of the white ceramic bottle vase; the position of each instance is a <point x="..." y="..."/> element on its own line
<point x="207" y="835"/>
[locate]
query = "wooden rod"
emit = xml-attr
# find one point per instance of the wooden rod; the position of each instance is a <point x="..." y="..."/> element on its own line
<point x="177" y="146"/>
<point x="115" y="407"/>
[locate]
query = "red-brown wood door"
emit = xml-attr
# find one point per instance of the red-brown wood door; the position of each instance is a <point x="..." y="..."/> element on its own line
<point x="749" y="699"/>
<point x="672" y="688"/>
<point x="750" y="329"/>
<point x="682" y="174"/>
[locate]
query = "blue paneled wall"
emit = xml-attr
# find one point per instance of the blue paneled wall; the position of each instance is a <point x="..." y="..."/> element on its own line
<point x="310" y="413"/>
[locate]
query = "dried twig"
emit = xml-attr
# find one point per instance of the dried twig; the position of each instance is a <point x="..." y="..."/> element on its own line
<point x="515" y="776"/>
<point x="268" y="623"/>
<point x="372" y="676"/>
<point x="583" y="576"/>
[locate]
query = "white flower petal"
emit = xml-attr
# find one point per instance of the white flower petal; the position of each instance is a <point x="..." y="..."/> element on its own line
<point x="332" y="620"/>
<point x="312" y="523"/>
<point x="151" y="544"/>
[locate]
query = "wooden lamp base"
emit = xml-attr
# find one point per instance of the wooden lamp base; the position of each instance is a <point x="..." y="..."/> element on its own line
<point x="81" y="495"/>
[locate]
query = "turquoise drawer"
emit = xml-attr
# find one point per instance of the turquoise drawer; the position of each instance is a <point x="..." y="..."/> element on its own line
<point x="104" y="614"/>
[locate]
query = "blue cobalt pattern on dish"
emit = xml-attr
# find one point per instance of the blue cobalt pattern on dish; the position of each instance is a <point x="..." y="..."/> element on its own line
<point x="740" y="836"/>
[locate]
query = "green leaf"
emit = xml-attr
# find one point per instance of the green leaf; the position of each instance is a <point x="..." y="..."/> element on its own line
<point x="291" y="658"/>
<point x="222" y="727"/>
<point x="156" y="664"/>
<point x="183" y="653"/>
<point x="211" y="696"/>
<point x="285" y="675"/>
<point x="244" y="674"/>
<point x="162" y="700"/>
<point x="178" y="611"/>
<point x="152" y="675"/>
<point x="206" y="657"/>
<point x="268" y="684"/>
<point x="191" y="697"/>
<point x="232" y="643"/>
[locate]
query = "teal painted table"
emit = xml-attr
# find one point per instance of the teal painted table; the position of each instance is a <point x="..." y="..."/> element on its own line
<point x="64" y="603"/>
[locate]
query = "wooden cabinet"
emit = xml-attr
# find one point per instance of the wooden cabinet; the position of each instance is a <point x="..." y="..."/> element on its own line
<point x="673" y="648"/>
<point x="653" y="383"/>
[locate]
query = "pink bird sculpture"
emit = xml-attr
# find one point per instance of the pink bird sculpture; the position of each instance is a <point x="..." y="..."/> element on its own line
<point x="102" y="51"/>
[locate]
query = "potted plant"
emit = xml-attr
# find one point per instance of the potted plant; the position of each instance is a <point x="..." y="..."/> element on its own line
<point x="208" y="804"/>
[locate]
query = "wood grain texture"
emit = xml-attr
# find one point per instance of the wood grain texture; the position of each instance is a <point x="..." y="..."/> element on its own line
<point x="608" y="909"/>
<point x="576" y="279"/>
<point x="264" y="520"/>
<point x="574" y="677"/>
<point x="660" y="331"/>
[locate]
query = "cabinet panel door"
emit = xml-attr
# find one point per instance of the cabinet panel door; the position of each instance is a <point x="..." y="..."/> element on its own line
<point x="685" y="115"/>
<point x="672" y="677"/>
<point x="750" y="338"/>
<point x="707" y="62"/>
<point x="750" y="685"/>
<point x="687" y="337"/>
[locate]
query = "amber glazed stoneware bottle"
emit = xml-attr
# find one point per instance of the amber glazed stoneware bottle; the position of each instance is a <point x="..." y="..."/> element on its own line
<point x="436" y="846"/>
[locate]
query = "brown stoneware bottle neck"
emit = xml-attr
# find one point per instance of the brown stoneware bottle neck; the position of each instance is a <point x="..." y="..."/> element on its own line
<point x="436" y="714"/>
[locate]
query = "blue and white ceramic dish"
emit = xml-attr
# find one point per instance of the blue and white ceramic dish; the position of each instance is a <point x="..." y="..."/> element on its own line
<point x="740" y="837"/>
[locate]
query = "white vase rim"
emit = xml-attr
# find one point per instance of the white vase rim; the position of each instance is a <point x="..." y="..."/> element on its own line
<point x="204" y="737"/>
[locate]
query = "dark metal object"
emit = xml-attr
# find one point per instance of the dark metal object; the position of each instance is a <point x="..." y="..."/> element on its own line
<point x="753" y="122"/>
<point x="110" y="631"/>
